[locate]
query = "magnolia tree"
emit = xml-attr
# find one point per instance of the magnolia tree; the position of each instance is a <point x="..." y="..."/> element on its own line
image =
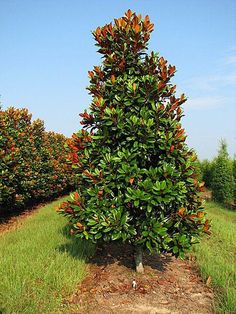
<point x="137" y="178"/>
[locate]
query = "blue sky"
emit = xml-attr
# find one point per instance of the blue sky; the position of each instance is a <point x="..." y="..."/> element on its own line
<point x="47" y="49"/>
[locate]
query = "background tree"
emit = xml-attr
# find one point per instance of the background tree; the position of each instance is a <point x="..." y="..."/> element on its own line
<point x="32" y="162"/>
<point x="222" y="176"/>
<point x="206" y="169"/>
<point x="137" y="176"/>
<point x="234" y="175"/>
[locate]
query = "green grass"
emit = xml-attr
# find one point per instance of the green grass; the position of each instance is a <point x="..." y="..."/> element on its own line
<point x="39" y="265"/>
<point x="216" y="256"/>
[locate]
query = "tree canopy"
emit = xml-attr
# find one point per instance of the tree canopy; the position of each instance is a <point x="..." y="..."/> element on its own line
<point x="137" y="177"/>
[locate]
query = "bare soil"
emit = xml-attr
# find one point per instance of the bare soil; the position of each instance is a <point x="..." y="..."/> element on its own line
<point x="169" y="285"/>
<point x="14" y="221"/>
<point x="206" y="195"/>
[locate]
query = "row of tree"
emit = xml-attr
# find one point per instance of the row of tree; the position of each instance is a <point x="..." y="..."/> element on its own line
<point x="219" y="175"/>
<point x="33" y="164"/>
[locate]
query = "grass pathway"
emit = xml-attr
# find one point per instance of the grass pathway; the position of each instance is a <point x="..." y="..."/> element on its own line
<point x="39" y="266"/>
<point x="216" y="256"/>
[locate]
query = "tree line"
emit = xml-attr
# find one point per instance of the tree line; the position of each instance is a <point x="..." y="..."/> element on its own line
<point x="33" y="164"/>
<point x="219" y="175"/>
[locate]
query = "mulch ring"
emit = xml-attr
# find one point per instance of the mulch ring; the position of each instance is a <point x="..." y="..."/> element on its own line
<point x="169" y="285"/>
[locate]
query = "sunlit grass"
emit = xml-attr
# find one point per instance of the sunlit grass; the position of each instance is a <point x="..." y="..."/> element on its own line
<point x="39" y="265"/>
<point x="216" y="256"/>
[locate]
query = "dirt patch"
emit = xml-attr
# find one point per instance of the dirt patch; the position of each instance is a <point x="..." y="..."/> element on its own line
<point x="206" y="195"/>
<point x="168" y="285"/>
<point x="8" y="223"/>
<point x="13" y="220"/>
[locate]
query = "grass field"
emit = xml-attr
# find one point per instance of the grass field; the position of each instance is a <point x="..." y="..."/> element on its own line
<point x="39" y="266"/>
<point x="216" y="256"/>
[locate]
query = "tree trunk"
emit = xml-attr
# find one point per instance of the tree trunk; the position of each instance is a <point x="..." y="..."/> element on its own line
<point x="138" y="257"/>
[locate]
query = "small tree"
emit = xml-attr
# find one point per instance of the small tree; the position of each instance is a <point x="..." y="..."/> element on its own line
<point x="137" y="176"/>
<point x="222" y="176"/>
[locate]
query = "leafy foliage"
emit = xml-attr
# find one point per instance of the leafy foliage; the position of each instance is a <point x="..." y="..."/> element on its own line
<point x="137" y="178"/>
<point x="234" y="176"/>
<point x="222" y="176"/>
<point x="33" y="162"/>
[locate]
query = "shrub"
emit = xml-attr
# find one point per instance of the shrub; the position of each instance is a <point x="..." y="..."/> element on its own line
<point x="222" y="176"/>
<point x="32" y="162"/>
<point x="137" y="178"/>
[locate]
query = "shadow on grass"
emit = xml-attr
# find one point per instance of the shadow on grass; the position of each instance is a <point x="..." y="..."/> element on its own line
<point x="109" y="253"/>
<point x="77" y="248"/>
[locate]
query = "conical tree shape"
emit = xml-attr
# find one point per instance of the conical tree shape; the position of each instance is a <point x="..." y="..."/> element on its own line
<point x="222" y="176"/>
<point x="137" y="177"/>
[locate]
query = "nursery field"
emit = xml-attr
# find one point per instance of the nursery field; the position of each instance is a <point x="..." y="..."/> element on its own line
<point x="43" y="271"/>
<point x="133" y="236"/>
